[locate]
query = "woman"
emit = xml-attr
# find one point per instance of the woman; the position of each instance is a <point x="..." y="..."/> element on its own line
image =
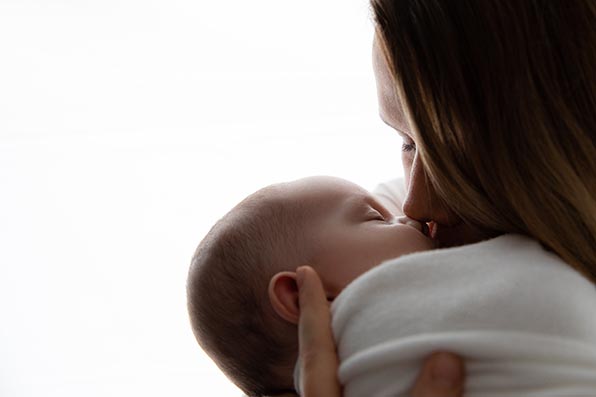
<point x="496" y="103"/>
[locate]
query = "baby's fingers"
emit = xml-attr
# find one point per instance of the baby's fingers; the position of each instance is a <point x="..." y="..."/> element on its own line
<point x="317" y="348"/>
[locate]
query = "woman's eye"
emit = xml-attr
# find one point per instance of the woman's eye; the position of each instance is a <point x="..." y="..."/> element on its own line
<point x="408" y="146"/>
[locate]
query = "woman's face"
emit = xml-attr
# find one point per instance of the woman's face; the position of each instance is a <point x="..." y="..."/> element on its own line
<point x="421" y="202"/>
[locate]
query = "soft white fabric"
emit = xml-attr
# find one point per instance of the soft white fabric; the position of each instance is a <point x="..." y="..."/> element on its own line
<point x="523" y="320"/>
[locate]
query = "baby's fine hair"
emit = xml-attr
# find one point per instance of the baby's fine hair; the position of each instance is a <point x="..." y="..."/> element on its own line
<point x="228" y="304"/>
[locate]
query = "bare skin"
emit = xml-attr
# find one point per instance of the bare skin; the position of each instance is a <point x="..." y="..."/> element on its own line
<point x="421" y="201"/>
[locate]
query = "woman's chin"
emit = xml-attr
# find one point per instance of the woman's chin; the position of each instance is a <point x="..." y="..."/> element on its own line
<point x="454" y="235"/>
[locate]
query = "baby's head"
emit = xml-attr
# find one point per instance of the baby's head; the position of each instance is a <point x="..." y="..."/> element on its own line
<point x="242" y="292"/>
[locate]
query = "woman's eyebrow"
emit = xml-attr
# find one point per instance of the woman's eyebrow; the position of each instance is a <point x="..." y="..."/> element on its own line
<point x="384" y="120"/>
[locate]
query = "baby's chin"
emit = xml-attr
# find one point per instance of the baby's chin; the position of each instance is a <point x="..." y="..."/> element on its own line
<point x="415" y="240"/>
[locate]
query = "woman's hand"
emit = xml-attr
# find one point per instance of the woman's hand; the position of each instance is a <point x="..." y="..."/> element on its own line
<point x="441" y="376"/>
<point x="317" y="348"/>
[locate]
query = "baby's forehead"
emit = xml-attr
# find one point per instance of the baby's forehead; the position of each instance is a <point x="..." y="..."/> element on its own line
<point x="317" y="195"/>
<point x="309" y="197"/>
<point x="324" y="186"/>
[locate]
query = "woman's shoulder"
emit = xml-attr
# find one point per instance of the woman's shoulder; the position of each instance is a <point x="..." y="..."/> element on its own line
<point x="515" y="243"/>
<point x="502" y="256"/>
<point x="507" y="253"/>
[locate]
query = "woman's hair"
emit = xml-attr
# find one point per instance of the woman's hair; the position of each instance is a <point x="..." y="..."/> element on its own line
<point x="227" y="298"/>
<point x="501" y="97"/>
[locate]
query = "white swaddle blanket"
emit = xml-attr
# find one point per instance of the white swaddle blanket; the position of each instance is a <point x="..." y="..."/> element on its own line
<point x="523" y="320"/>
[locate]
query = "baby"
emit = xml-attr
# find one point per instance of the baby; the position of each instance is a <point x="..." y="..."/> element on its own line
<point x="521" y="318"/>
<point x="242" y="293"/>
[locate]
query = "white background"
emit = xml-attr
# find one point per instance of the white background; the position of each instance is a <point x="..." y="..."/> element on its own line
<point x="127" y="128"/>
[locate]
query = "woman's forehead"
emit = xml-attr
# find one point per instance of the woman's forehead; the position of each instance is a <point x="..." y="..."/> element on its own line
<point x="390" y="106"/>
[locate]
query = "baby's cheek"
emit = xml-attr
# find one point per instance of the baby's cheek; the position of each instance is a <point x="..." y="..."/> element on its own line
<point x="424" y="243"/>
<point x="416" y="241"/>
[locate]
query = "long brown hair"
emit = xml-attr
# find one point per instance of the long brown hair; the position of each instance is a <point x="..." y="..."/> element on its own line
<point x="501" y="96"/>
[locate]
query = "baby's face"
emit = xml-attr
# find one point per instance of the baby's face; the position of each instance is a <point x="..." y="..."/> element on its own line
<point x="352" y="231"/>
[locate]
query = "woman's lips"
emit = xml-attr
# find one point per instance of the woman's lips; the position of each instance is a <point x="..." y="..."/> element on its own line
<point x="431" y="230"/>
<point x="442" y="235"/>
<point x="420" y="226"/>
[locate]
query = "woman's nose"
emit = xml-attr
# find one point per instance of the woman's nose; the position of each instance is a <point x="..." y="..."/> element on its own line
<point x="421" y="202"/>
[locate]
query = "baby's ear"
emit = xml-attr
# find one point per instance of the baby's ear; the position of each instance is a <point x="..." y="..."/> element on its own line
<point x="283" y="295"/>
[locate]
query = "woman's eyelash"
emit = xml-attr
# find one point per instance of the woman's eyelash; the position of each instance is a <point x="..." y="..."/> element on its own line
<point x="408" y="147"/>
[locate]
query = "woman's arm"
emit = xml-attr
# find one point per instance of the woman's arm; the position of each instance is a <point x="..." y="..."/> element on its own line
<point x="441" y="376"/>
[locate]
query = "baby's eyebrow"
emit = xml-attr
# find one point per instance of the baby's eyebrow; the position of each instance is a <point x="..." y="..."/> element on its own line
<point x="362" y="203"/>
<point x="359" y="204"/>
<point x="371" y="201"/>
